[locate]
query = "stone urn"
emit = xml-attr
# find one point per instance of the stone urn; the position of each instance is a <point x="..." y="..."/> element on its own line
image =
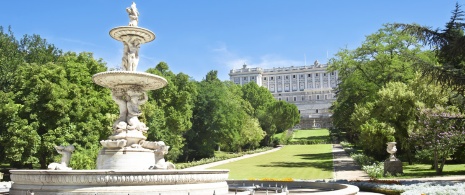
<point x="392" y="165"/>
<point x="391" y="149"/>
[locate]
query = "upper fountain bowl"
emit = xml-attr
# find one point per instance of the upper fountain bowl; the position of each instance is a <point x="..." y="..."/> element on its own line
<point x="118" y="79"/>
<point x="119" y="32"/>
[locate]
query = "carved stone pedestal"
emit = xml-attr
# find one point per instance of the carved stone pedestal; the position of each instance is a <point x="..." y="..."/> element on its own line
<point x="393" y="167"/>
<point x="125" y="159"/>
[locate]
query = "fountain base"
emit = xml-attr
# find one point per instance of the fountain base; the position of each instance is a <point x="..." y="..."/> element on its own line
<point x="125" y="159"/>
<point x="166" y="182"/>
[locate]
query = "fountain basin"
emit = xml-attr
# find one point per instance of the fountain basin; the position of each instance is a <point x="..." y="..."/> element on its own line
<point x="125" y="79"/>
<point x="166" y="182"/>
<point x="248" y="187"/>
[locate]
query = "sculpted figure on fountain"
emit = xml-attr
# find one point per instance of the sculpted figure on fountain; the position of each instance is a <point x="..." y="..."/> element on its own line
<point x="137" y="97"/>
<point x="133" y="14"/>
<point x="129" y="101"/>
<point x="130" y="52"/>
<point x="65" y="151"/>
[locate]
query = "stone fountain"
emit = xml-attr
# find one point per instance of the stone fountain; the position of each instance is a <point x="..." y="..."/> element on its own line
<point x="127" y="163"/>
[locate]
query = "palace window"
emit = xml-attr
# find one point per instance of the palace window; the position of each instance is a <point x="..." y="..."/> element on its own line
<point x="309" y="75"/>
<point x="316" y="74"/>
<point x="316" y="111"/>
<point x="271" y="78"/>
<point x="293" y="76"/>
<point x="264" y="78"/>
<point x="317" y="97"/>
<point x="295" y="99"/>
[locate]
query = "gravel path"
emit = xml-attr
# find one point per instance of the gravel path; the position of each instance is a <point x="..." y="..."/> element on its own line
<point x="345" y="167"/>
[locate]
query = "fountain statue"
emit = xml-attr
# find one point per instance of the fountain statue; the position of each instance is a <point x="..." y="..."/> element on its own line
<point x="127" y="163"/>
<point x="65" y="151"/>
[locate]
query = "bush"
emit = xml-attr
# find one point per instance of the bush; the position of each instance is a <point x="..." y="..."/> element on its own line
<point x="362" y="159"/>
<point x="309" y="142"/>
<point x="345" y="144"/>
<point x="215" y="159"/>
<point x="374" y="171"/>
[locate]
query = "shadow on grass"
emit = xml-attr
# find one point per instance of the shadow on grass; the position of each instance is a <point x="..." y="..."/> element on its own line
<point x="312" y="138"/>
<point x="424" y="172"/>
<point x="326" y="165"/>
<point x="319" y="156"/>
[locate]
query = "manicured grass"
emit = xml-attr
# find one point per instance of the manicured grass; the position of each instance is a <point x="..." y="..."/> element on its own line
<point x="314" y="134"/>
<point x="292" y="161"/>
<point x="424" y="170"/>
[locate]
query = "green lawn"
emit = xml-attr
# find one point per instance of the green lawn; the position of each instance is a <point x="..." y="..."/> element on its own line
<point x="423" y="170"/>
<point x="317" y="134"/>
<point x="292" y="161"/>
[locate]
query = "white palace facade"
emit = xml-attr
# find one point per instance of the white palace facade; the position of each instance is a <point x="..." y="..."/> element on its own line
<point x="310" y="88"/>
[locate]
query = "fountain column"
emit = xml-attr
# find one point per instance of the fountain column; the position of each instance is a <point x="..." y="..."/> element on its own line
<point x="127" y="148"/>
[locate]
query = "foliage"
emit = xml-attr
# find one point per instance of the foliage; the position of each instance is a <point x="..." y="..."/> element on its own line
<point x="285" y="115"/>
<point x="54" y="104"/>
<point x="383" y="57"/>
<point x="219" y="158"/>
<point x="362" y="159"/>
<point x="169" y="110"/>
<point x="449" y="44"/>
<point x="439" y="134"/>
<point x="221" y="118"/>
<point x="374" y="171"/>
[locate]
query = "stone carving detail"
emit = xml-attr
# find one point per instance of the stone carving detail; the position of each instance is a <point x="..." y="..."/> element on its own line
<point x="146" y="178"/>
<point x="65" y="151"/>
<point x="131" y="45"/>
<point x="160" y="150"/>
<point x="129" y="100"/>
<point x="133" y="15"/>
<point x="391" y="149"/>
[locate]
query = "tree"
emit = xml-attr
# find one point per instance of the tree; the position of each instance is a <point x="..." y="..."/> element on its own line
<point x="261" y="101"/>
<point x="169" y="109"/>
<point x="383" y="57"/>
<point x="390" y="117"/>
<point x="57" y="104"/>
<point x="438" y="135"/>
<point x="285" y="115"/>
<point x="449" y="44"/>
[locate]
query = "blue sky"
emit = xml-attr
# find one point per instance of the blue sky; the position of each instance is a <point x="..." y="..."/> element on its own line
<point x="195" y="37"/>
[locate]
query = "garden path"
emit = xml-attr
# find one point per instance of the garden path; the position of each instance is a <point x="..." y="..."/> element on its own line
<point x="345" y="167"/>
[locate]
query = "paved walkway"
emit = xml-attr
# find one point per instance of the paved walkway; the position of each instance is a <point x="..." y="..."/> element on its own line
<point x="345" y="167"/>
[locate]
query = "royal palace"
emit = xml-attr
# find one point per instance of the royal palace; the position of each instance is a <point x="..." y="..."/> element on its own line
<point x="310" y="88"/>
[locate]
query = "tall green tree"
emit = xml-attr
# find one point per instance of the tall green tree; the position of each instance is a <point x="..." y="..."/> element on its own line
<point x="449" y="44"/>
<point x="384" y="57"/>
<point x="169" y="109"/>
<point x="261" y="101"/>
<point x="438" y="135"/>
<point x="59" y="104"/>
